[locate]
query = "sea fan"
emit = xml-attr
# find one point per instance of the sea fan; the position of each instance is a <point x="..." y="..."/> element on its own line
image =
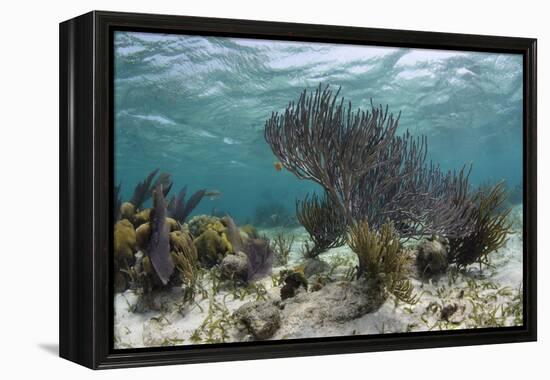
<point x="260" y="258"/>
<point x="158" y="248"/>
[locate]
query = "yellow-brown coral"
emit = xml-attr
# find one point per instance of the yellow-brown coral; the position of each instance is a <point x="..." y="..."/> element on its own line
<point x="143" y="232"/>
<point x="142" y="217"/>
<point x="216" y="226"/>
<point x="124" y="243"/>
<point x="127" y="211"/>
<point x="146" y="264"/>
<point x="211" y="247"/>
<point x="173" y="225"/>
<point x="198" y="224"/>
<point x="142" y="236"/>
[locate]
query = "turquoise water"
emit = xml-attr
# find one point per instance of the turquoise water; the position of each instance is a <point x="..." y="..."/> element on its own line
<point x="195" y="107"/>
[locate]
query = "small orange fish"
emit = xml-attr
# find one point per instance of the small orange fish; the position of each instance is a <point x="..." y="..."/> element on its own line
<point x="278" y="166"/>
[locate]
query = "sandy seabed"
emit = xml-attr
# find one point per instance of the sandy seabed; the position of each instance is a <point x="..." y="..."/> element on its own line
<point x="469" y="299"/>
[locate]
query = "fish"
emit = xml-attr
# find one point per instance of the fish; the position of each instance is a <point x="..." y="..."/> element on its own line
<point x="213" y="194"/>
<point x="278" y="166"/>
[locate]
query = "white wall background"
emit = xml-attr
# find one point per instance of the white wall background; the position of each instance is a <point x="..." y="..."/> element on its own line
<point x="29" y="186"/>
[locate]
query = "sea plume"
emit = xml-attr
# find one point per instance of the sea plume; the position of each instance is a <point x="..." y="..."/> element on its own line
<point x="366" y="169"/>
<point x="323" y="222"/>
<point x="382" y="259"/>
<point x="490" y="227"/>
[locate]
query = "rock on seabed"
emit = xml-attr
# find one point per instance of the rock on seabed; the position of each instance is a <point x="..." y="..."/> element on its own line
<point x="262" y="318"/>
<point x="336" y="302"/>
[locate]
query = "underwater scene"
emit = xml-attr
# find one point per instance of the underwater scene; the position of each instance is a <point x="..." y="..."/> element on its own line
<point x="279" y="190"/>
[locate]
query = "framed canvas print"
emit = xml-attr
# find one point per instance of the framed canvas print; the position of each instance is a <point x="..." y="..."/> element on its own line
<point x="238" y="189"/>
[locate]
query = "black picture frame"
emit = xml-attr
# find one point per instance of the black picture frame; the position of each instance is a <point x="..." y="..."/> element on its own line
<point x="86" y="183"/>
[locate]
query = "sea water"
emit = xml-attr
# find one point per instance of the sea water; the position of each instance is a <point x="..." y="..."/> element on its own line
<point x="195" y="107"/>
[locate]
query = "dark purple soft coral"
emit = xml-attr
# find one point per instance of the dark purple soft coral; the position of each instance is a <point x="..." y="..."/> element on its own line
<point x="179" y="208"/>
<point x="143" y="190"/>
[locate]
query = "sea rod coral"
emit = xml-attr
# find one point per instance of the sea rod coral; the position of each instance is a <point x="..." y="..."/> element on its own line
<point x="323" y="222"/>
<point x="366" y="169"/>
<point x="490" y="227"/>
